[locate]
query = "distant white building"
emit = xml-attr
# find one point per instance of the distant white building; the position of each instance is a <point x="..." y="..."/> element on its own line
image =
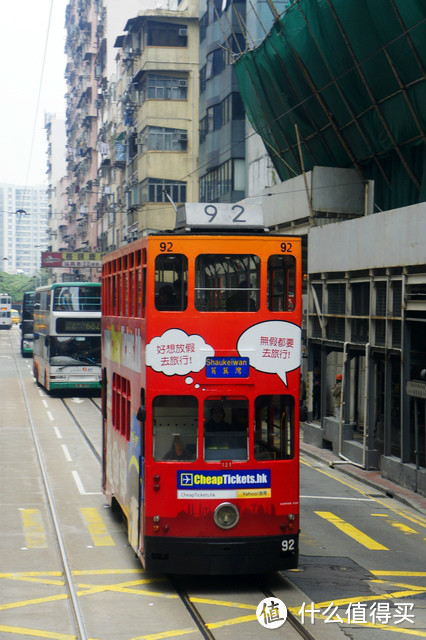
<point x="23" y="228"/>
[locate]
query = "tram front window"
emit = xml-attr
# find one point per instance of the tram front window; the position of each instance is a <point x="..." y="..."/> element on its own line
<point x="67" y="350"/>
<point x="274" y="427"/>
<point x="171" y="275"/>
<point x="227" y="282"/>
<point x="174" y="424"/>
<point x="226" y="429"/>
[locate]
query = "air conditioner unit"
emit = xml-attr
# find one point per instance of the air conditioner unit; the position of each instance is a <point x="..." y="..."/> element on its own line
<point x="183" y="31"/>
<point x="182" y="83"/>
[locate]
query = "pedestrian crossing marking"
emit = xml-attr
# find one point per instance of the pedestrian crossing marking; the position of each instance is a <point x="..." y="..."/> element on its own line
<point x="33" y="529"/>
<point x="96" y="527"/>
<point x="351" y="531"/>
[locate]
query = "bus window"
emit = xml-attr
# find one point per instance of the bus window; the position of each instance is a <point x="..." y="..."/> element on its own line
<point x="77" y="298"/>
<point x="174" y="422"/>
<point x="281" y="283"/>
<point x="274" y="428"/>
<point x="225" y="429"/>
<point x="227" y="282"/>
<point x="171" y="275"/>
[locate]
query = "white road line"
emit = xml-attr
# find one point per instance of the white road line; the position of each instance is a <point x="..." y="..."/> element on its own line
<point x="337" y="498"/>
<point x="80" y="487"/>
<point x="50" y="416"/>
<point x="58" y="433"/>
<point x="66" y="452"/>
<point x="45" y="403"/>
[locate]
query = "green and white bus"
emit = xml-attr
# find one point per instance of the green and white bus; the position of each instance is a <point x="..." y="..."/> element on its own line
<point x="67" y="336"/>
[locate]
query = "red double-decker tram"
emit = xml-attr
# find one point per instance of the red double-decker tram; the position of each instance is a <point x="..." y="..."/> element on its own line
<point x="201" y="344"/>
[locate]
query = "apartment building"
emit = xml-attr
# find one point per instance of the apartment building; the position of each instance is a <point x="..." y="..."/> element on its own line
<point x="23" y="228"/>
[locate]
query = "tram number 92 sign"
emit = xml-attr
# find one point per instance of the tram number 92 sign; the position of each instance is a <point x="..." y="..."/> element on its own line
<point x="199" y="215"/>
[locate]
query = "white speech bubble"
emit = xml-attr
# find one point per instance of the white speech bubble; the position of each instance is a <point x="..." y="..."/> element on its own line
<point x="177" y="353"/>
<point x="272" y="347"/>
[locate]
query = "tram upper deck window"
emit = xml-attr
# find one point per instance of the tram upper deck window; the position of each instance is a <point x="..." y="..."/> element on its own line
<point x="281" y="283"/>
<point x="171" y="277"/>
<point x="274" y="427"/>
<point x="227" y="282"/>
<point x="174" y="423"/>
<point x="226" y="429"/>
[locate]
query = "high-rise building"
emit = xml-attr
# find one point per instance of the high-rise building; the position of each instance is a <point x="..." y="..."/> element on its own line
<point x="23" y="228"/>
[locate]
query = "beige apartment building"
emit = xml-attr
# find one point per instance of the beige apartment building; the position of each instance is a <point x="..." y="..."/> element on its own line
<point x="131" y="122"/>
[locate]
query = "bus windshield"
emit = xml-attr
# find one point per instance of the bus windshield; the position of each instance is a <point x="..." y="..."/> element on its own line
<point x="77" y="298"/>
<point x="67" y="350"/>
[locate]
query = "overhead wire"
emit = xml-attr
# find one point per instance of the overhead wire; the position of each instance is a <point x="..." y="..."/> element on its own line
<point x="39" y="94"/>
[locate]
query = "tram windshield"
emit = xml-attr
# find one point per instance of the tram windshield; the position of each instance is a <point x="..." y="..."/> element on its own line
<point x="226" y="429"/>
<point x="227" y="282"/>
<point x="68" y="350"/>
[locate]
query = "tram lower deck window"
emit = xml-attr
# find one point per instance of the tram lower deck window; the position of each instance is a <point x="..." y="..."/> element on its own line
<point x="174" y="421"/>
<point x="274" y="427"/>
<point x="226" y="429"/>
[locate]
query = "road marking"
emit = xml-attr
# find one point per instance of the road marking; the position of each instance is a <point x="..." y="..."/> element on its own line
<point x="352" y="531"/>
<point x="33" y="528"/>
<point x="397" y="525"/>
<point x="97" y="528"/>
<point x="66" y="453"/>
<point x="36" y="633"/>
<point x="409" y="574"/>
<point x="416" y="518"/>
<point x="338" y="498"/>
<point x="81" y="488"/>
<point x="50" y="416"/>
<point x="58" y="433"/>
<point x="45" y="403"/>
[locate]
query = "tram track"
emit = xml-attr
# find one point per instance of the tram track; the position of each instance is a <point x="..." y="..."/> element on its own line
<point x="67" y="404"/>
<point x="180" y="584"/>
<point x="53" y="514"/>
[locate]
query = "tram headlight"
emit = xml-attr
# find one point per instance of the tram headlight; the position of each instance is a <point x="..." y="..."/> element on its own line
<point x="226" y="515"/>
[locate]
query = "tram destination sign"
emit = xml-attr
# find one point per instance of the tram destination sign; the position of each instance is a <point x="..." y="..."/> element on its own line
<point x="416" y="389"/>
<point x="225" y="367"/>
<point x="219" y="215"/>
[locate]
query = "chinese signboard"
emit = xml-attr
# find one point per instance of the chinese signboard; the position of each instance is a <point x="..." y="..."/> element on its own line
<point x="71" y="258"/>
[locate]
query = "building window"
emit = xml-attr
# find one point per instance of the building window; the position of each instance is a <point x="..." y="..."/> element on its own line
<point x="165" y="139"/>
<point x="155" y="190"/>
<point x="166" y="34"/>
<point x="163" y="87"/>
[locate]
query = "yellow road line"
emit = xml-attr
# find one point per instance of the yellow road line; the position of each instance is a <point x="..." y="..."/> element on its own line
<point x="394" y="523"/>
<point x="410" y="574"/>
<point x="97" y="529"/>
<point x="352" y="531"/>
<point x="417" y="518"/>
<point x="35" y="633"/>
<point x="33" y="528"/>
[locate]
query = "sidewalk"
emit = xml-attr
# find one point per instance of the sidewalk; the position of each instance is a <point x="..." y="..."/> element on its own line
<point x="372" y="478"/>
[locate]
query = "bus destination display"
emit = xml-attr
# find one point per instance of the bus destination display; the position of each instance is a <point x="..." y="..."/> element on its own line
<point x="78" y="325"/>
